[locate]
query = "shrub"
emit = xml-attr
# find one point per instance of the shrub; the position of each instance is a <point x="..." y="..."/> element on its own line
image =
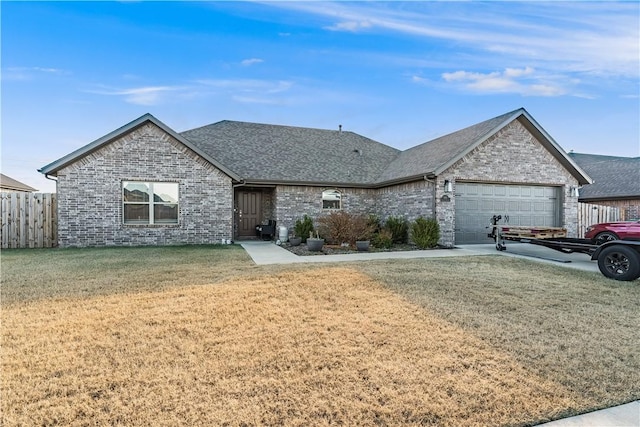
<point x="374" y="223"/>
<point x="383" y="239"/>
<point x="398" y="227"/>
<point x="425" y="232"/>
<point x="335" y="227"/>
<point x="343" y="227"/>
<point x="303" y="227"/>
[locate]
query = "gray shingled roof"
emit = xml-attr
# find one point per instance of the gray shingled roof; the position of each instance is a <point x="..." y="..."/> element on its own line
<point x="273" y="153"/>
<point x="262" y="153"/>
<point x="432" y="156"/>
<point x="614" y="177"/>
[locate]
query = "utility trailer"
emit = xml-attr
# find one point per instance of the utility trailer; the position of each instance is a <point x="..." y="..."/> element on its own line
<point x="617" y="259"/>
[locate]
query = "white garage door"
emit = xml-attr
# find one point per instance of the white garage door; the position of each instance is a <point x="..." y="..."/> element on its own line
<point x="524" y="205"/>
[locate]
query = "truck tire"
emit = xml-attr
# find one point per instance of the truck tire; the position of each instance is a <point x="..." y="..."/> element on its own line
<point x="605" y="236"/>
<point x="619" y="262"/>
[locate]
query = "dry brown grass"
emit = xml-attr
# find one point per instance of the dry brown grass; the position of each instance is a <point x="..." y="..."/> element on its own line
<point x="200" y="336"/>
<point x="326" y="346"/>
<point x="37" y="274"/>
<point x="575" y="328"/>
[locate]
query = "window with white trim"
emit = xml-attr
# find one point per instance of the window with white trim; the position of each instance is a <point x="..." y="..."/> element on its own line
<point x="149" y="202"/>
<point x="331" y="199"/>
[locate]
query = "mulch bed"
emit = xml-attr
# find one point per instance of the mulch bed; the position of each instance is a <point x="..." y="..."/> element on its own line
<point x="302" y="249"/>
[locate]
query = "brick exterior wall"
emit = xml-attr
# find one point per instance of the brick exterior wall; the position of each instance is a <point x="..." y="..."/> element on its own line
<point x="292" y="202"/>
<point x="409" y="200"/>
<point x="90" y="190"/>
<point x="90" y="194"/>
<point x="512" y="156"/>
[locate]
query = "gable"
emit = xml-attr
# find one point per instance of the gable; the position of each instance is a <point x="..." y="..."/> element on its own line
<point x="513" y="154"/>
<point x="434" y="157"/>
<point x="145" y="120"/>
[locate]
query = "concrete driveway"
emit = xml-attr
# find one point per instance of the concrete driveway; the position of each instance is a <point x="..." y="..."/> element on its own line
<point x="540" y="253"/>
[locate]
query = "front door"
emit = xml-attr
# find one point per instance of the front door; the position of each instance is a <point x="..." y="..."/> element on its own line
<point x="249" y="212"/>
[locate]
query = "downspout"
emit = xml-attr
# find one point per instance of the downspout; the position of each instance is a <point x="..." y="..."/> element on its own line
<point x="433" y="199"/>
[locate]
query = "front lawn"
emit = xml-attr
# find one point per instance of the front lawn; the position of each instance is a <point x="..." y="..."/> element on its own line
<point x="200" y="336"/>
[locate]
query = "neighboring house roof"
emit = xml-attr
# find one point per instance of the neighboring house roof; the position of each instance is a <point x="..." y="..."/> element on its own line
<point x="53" y="168"/>
<point x="272" y="153"/>
<point x="8" y="183"/>
<point x="614" y="177"/>
<point x="260" y="153"/>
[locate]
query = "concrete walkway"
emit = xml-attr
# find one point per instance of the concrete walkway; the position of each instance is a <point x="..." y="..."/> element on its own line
<point x="627" y="415"/>
<point x="264" y="253"/>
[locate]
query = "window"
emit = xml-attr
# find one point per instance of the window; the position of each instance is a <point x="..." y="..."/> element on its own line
<point x="331" y="199"/>
<point x="150" y="202"/>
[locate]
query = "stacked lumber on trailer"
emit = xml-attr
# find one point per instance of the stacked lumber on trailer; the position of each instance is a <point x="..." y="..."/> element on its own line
<point x="533" y="232"/>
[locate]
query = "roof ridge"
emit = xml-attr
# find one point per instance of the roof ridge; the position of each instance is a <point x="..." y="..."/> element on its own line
<point x="244" y="122"/>
<point x="607" y="156"/>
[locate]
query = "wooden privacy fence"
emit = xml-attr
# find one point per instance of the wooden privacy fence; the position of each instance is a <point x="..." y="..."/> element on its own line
<point x="589" y="214"/>
<point x="29" y="220"/>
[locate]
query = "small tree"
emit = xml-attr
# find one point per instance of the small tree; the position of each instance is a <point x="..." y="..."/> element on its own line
<point x="398" y="227"/>
<point x="383" y="239"/>
<point x="425" y="232"/>
<point x="343" y="227"/>
<point x="303" y="227"/>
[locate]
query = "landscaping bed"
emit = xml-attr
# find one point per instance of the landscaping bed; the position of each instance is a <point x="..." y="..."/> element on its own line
<point x="302" y="249"/>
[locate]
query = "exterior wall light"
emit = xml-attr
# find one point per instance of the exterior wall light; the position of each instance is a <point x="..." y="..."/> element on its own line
<point x="575" y="192"/>
<point x="448" y="186"/>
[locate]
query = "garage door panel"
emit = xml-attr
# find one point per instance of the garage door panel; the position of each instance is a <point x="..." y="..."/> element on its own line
<point x="525" y="205"/>
<point x="487" y="204"/>
<point x="499" y="205"/>
<point x="500" y="190"/>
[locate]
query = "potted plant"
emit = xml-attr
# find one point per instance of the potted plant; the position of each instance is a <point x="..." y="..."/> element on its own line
<point x="303" y="228"/>
<point x="295" y="240"/>
<point x="314" y="243"/>
<point x="362" y="245"/>
<point x="363" y="229"/>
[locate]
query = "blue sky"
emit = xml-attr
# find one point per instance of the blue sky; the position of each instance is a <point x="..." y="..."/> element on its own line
<point x="401" y="73"/>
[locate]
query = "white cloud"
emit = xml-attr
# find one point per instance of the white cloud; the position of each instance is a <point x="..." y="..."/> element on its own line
<point x="352" y="26"/>
<point x="30" y="73"/>
<point x="592" y="39"/>
<point x="251" y="61"/>
<point x="524" y="81"/>
<point x="146" y="95"/>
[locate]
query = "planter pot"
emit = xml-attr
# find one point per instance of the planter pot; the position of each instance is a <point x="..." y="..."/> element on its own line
<point x="362" y="245"/>
<point x="295" y="241"/>
<point x="315" y="244"/>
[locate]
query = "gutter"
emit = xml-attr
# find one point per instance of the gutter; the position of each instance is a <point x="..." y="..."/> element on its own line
<point x="374" y="185"/>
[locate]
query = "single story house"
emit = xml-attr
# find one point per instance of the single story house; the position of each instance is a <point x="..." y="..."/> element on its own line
<point x="146" y="184"/>
<point x="10" y="185"/>
<point x="616" y="182"/>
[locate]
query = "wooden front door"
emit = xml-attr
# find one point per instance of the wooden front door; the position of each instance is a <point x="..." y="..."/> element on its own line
<point x="249" y="212"/>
